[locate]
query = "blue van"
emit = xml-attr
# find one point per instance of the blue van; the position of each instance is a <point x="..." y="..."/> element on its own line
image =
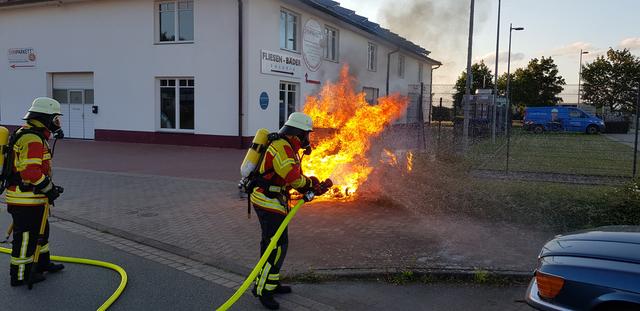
<point x="561" y="119"/>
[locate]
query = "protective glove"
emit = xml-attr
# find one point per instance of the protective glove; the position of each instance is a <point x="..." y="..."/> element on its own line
<point x="311" y="185"/>
<point x="60" y="189"/>
<point x="323" y="187"/>
<point x="46" y="187"/>
<point x="54" y="193"/>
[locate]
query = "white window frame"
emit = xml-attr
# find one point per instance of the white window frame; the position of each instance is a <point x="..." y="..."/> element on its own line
<point x="176" y="21"/>
<point x="375" y="92"/>
<point x="401" y="65"/>
<point x="372" y="57"/>
<point x="420" y="72"/>
<point x="297" y="28"/>
<point x="177" y="88"/>
<point x="296" y="96"/>
<point x="327" y="30"/>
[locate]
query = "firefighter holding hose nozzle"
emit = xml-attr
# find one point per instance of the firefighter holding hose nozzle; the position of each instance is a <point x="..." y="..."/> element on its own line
<point x="278" y="171"/>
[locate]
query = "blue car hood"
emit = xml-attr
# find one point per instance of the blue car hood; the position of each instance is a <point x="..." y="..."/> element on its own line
<point x="618" y="243"/>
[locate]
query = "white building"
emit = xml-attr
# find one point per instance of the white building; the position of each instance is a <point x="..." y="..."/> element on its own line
<point x="197" y="72"/>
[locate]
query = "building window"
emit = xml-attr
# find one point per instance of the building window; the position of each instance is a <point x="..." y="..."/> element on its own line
<point x="288" y="95"/>
<point x="288" y="30"/>
<point x="177" y="104"/>
<point x="175" y="17"/>
<point x="331" y="44"/>
<point x="372" y="58"/>
<point x="401" y="66"/>
<point x="420" y="72"/>
<point x="371" y="95"/>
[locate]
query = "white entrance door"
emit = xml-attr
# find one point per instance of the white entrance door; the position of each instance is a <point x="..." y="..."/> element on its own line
<point x="74" y="91"/>
<point x="76" y="114"/>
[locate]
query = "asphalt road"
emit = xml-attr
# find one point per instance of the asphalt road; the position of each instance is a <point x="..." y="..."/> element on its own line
<point x="154" y="286"/>
<point x="151" y="286"/>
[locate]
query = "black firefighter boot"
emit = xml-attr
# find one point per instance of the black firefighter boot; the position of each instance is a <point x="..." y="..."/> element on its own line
<point x="51" y="267"/>
<point x="268" y="302"/>
<point x="45" y="264"/>
<point x="35" y="277"/>
<point x="282" y="289"/>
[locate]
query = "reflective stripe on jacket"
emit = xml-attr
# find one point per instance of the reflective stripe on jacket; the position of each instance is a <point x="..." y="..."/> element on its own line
<point x="283" y="164"/>
<point x="32" y="162"/>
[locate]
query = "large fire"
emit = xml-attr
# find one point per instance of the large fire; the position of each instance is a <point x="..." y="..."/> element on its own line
<point x="340" y="152"/>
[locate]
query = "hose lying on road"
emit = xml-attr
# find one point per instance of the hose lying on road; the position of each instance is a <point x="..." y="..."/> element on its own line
<point x="264" y="257"/>
<point x="84" y="261"/>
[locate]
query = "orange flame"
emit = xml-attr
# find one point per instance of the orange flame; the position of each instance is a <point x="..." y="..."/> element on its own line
<point x="391" y="158"/>
<point x="341" y="154"/>
<point x="409" y="161"/>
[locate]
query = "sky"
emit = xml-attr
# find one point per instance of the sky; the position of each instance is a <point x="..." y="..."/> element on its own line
<point x="556" y="28"/>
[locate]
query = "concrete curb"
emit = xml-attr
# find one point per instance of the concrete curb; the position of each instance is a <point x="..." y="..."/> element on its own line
<point x="399" y="275"/>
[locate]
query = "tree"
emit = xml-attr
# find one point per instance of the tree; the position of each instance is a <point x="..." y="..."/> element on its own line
<point x="481" y="77"/>
<point x="538" y="84"/>
<point x="612" y="81"/>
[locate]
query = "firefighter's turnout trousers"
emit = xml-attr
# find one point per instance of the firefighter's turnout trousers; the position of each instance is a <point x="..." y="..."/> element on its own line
<point x="269" y="277"/>
<point x="26" y="229"/>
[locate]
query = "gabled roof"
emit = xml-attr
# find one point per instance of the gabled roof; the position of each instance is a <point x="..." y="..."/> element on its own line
<point x="334" y="9"/>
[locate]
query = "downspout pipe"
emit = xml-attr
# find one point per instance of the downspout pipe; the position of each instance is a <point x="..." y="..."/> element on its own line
<point x="388" y="67"/>
<point x="240" y="75"/>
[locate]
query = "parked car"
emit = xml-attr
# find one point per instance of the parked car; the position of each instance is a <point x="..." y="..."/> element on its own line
<point x="561" y="119"/>
<point x="589" y="270"/>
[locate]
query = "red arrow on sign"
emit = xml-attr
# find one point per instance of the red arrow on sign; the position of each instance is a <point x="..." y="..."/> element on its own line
<point x="14" y="66"/>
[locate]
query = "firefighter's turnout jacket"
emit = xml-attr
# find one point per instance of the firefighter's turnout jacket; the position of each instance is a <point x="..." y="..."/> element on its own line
<point x="32" y="163"/>
<point x="282" y="170"/>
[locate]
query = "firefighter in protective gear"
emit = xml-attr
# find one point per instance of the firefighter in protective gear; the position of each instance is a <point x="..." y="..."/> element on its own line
<point x="30" y="187"/>
<point x="280" y="170"/>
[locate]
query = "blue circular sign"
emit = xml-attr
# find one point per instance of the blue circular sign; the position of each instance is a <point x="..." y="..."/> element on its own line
<point x="264" y="100"/>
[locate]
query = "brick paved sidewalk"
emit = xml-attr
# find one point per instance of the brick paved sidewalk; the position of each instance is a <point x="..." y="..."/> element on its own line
<point x="202" y="217"/>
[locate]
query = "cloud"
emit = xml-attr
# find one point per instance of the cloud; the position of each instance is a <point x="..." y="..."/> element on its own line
<point x="571" y="49"/>
<point x="630" y="43"/>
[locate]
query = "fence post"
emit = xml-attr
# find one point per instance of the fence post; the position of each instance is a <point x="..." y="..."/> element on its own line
<point x="635" y="145"/>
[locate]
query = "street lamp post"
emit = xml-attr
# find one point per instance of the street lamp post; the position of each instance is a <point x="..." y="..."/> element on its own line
<point x="509" y="114"/>
<point x="468" y="84"/>
<point x="495" y="81"/>
<point x="580" y="74"/>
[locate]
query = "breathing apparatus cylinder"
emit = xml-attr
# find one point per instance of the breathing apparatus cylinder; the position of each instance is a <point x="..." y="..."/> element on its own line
<point x="255" y="152"/>
<point x="4" y="142"/>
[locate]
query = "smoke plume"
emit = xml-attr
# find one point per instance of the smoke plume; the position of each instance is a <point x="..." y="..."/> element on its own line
<point x="440" y="26"/>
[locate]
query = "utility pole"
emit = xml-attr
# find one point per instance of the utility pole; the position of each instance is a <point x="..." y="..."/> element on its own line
<point x="467" y="92"/>
<point x="495" y="80"/>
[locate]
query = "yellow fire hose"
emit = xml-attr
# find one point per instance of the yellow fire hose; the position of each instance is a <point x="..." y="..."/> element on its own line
<point x="84" y="261"/>
<point x="263" y="259"/>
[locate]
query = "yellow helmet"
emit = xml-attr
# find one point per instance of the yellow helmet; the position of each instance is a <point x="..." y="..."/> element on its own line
<point x="43" y="105"/>
<point x="301" y="121"/>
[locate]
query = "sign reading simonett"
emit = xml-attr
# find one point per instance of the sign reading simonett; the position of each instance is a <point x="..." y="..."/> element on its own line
<point x="280" y="64"/>
<point x="21" y="58"/>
